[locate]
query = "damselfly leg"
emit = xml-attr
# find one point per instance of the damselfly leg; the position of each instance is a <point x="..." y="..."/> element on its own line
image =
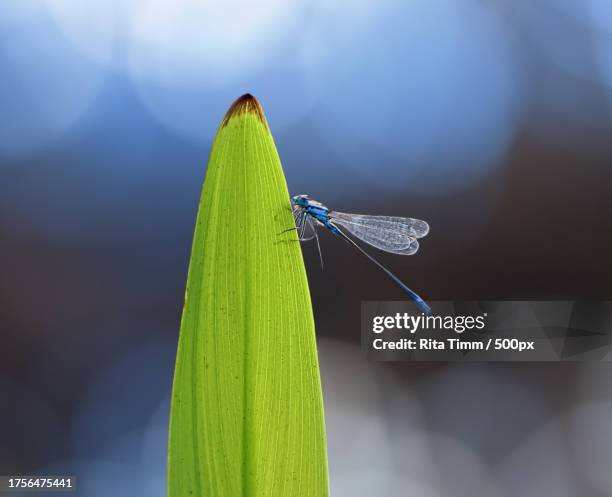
<point x="306" y="229"/>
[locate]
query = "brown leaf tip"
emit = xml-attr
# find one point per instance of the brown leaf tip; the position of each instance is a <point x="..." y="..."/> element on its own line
<point x="247" y="103"/>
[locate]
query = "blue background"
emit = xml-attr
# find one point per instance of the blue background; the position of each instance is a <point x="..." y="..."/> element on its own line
<point x="490" y="120"/>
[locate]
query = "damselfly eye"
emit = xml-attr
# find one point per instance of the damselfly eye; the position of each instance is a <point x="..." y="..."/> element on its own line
<point x="300" y="200"/>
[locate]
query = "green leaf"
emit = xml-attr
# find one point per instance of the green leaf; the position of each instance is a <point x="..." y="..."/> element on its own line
<point x="246" y="413"/>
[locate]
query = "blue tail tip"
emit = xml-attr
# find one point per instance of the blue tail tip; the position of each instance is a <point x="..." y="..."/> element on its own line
<point x="423" y="306"/>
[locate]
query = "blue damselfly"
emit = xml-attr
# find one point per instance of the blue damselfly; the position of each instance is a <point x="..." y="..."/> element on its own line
<point x="398" y="235"/>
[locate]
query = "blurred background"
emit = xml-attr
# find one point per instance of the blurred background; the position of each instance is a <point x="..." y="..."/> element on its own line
<point x="491" y="120"/>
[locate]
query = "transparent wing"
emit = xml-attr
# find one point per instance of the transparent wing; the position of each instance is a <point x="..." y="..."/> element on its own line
<point x="397" y="235"/>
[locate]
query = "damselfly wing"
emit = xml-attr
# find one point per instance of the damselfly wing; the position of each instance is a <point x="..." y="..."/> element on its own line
<point x="397" y="235"/>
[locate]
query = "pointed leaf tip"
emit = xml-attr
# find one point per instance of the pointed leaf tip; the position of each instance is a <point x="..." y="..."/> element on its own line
<point x="247" y="103"/>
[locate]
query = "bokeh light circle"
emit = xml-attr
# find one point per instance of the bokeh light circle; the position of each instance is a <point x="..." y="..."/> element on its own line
<point x="91" y="27"/>
<point x="47" y="83"/>
<point x="390" y="113"/>
<point x="190" y="59"/>
<point x="539" y="465"/>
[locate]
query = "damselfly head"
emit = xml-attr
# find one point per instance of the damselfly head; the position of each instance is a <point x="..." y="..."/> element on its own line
<point x="300" y="200"/>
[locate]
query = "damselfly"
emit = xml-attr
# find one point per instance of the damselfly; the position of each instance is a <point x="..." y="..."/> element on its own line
<point x="397" y="235"/>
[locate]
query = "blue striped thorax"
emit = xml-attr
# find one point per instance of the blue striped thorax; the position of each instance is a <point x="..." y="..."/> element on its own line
<point x="313" y="207"/>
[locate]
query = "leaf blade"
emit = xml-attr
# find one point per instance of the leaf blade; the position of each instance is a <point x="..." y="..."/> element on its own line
<point x="247" y="416"/>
